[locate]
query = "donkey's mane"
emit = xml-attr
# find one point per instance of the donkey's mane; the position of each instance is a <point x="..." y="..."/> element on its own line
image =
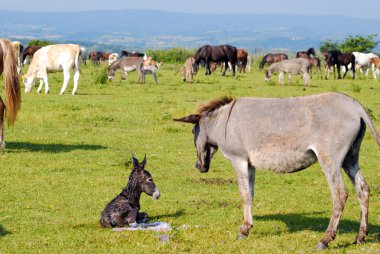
<point x="213" y="105"/>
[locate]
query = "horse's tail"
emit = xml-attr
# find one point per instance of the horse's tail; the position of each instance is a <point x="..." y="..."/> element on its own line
<point x="261" y="66"/>
<point x="12" y="86"/>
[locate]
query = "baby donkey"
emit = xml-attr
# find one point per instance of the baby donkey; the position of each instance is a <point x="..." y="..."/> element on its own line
<point x="123" y="210"/>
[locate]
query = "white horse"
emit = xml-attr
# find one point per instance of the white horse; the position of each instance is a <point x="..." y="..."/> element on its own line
<point x="362" y="59"/>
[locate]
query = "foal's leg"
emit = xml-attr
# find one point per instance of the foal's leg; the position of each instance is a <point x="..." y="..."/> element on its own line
<point x="338" y="193"/>
<point x="246" y="180"/>
<point x="2" y="110"/>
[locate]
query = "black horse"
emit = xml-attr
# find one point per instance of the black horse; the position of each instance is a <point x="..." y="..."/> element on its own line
<point x="272" y="58"/>
<point x="128" y="54"/>
<point x="339" y="59"/>
<point x="222" y="53"/>
<point x="306" y="54"/>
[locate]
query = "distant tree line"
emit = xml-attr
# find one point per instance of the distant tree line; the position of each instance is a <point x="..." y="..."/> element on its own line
<point x="351" y="44"/>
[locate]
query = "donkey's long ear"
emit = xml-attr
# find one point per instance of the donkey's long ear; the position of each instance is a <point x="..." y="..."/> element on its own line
<point x="135" y="162"/>
<point x="189" y="119"/>
<point x="142" y="164"/>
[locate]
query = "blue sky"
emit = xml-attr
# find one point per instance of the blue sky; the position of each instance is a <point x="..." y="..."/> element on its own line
<point x="363" y="9"/>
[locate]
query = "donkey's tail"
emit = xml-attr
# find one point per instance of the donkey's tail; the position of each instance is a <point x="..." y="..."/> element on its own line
<point x="364" y="115"/>
<point x="263" y="62"/>
<point x="77" y="60"/>
<point x="12" y="86"/>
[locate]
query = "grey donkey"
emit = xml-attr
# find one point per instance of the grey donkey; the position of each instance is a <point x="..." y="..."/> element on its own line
<point x="123" y="210"/>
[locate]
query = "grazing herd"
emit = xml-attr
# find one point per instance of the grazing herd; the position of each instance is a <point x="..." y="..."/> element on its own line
<point x="289" y="133"/>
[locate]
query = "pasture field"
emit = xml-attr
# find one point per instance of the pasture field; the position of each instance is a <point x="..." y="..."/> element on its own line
<point x="65" y="159"/>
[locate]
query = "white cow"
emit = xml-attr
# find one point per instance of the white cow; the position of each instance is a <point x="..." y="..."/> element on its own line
<point x="53" y="58"/>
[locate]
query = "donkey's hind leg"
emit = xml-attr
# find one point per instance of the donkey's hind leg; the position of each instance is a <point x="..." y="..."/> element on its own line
<point x="351" y="167"/>
<point x="332" y="170"/>
<point x="2" y="109"/>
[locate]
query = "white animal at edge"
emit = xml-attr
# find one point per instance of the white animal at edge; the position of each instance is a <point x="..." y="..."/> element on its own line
<point x="53" y="58"/>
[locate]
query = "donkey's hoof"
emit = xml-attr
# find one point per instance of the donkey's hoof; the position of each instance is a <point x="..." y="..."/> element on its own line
<point x="321" y="246"/>
<point x="241" y="237"/>
<point x="359" y="241"/>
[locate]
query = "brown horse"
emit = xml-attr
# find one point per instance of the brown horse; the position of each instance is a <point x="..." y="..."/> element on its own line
<point x="272" y="58"/>
<point x="306" y="54"/>
<point x="242" y="59"/>
<point x="339" y="59"/>
<point x="29" y="52"/>
<point x="96" y="56"/>
<point x="8" y="65"/>
<point x="222" y="53"/>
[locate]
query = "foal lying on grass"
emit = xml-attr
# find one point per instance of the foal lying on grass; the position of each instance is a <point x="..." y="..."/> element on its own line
<point x="123" y="210"/>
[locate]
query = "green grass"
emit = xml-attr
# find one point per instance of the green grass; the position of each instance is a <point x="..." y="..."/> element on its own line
<point x="65" y="160"/>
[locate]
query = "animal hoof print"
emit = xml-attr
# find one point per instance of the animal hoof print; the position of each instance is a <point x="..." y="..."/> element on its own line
<point x="241" y="237"/>
<point x="321" y="246"/>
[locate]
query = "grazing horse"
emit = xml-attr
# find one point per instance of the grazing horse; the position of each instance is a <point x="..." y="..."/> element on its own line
<point x="8" y="66"/>
<point x="96" y="56"/>
<point x="272" y="58"/>
<point x="339" y="59"/>
<point x="222" y="53"/>
<point x="316" y="62"/>
<point x="375" y="61"/>
<point x="29" y="52"/>
<point x="286" y="135"/>
<point x="242" y="59"/>
<point x="134" y="54"/>
<point x="306" y="54"/>
<point x="362" y="59"/>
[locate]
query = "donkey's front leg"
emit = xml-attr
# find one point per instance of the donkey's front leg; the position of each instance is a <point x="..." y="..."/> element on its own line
<point x="246" y="180"/>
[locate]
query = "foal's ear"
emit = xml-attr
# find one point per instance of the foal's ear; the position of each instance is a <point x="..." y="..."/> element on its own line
<point x="189" y="119"/>
<point x="142" y="164"/>
<point x="135" y="162"/>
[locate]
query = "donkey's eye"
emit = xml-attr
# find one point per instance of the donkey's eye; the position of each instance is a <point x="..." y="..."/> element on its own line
<point x="149" y="180"/>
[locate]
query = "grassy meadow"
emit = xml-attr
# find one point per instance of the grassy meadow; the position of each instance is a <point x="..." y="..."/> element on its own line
<point x="65" y="157"/>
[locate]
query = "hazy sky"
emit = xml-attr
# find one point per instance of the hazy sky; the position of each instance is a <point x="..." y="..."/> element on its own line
<point x="363" y="8"/>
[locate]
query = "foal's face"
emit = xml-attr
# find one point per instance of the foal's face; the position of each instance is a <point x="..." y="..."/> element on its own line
<point x="147" y="184"/>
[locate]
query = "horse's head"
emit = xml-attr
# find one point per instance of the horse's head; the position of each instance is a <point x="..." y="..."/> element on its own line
<point x="205" y="150"/>
<point x="28" y="81"/>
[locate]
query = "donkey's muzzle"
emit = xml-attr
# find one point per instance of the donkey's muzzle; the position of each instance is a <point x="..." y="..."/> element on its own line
<point x="156" y="194"/>
<point x="201" y="168"/>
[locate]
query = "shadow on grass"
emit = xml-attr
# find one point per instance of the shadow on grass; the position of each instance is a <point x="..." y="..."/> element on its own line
<point x="311" y="221"/>
<point x="3" y="231"/>
<point x="177" y="214"/>
<point x="49" y="148"/>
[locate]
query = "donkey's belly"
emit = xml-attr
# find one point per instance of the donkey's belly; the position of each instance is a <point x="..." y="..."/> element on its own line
<point x="283" y="161"/>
